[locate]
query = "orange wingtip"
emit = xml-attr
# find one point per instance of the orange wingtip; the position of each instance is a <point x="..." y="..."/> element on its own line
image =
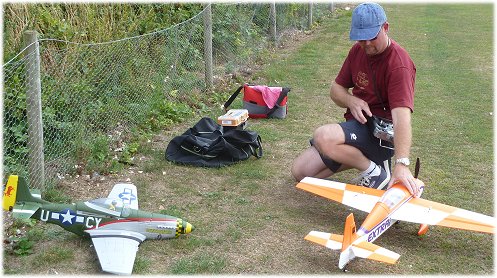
<point x="465" y="224"/>
<point x="330" y="193"/>
<point x="315" y="239"/>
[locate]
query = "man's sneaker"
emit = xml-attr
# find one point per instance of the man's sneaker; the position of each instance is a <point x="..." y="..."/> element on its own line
<point x="379" y="181"/>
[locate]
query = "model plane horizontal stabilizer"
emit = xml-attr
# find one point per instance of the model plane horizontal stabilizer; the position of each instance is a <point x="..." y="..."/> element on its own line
<point x="25" y="210"/>
<point x="362" y="249"/>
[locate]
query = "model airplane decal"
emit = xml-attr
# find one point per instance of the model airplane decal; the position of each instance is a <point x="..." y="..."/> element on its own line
<point x="115" y="224"/>
<point x="385" y="208"/>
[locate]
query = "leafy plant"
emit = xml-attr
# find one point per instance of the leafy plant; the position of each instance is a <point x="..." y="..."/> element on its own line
<point x="22" y="246"/>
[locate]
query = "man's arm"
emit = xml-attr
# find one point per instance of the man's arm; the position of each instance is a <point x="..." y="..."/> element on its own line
<point x="401" y="117"/>
<point x="341" y="97"/>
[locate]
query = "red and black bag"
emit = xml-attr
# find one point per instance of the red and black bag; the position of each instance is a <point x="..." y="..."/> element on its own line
<point x="262" y="101"/>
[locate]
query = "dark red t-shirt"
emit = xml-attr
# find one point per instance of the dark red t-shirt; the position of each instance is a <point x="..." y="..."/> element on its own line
<point x="395" y="77"/>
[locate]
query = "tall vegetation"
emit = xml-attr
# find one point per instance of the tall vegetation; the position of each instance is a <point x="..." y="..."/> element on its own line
<point x="88" y="23"/>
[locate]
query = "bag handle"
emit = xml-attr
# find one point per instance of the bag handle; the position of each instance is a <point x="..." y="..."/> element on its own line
<point x="232" y="98"/>
<point x="283" y="94"/>
<point x="259" y="152"/>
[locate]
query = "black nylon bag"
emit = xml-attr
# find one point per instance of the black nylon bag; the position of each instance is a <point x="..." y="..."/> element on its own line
<point x="206" y="145"/>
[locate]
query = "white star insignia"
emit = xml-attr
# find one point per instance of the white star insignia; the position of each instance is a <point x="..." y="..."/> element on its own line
<point x="67" y="217"/>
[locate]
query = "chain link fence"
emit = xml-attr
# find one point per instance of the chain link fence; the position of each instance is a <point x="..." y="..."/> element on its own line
<point x="94" y="98"/>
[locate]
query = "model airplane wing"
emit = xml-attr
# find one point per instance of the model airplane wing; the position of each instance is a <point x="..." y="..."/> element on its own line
<point x="417" y="210"/>
<point x="358" y="197"/>
<point x="422" y="211"/>
<point x="127" y="193"/>
<point x="116" y="249"/>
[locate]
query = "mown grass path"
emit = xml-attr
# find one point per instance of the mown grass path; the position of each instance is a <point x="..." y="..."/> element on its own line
<point x="250" y="218"/>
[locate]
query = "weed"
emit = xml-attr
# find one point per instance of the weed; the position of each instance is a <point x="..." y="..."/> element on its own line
<point x="56" y="195"/>
<point x="22" y="246"/>
<point x="127" y="155"/>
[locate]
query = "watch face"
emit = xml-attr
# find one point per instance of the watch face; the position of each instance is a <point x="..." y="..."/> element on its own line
<point x="404" y="161"/>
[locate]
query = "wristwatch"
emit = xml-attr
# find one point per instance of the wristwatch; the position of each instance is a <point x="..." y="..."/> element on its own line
<point x="403" y="160"/>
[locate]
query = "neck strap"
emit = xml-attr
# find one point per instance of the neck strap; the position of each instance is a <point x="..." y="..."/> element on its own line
<point x="378" y="95"/>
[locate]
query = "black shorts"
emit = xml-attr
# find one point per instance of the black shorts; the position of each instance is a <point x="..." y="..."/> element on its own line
<point x="360" y="137"/>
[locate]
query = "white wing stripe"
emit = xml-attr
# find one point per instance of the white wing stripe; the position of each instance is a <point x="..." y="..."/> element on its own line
<point x="362" y="253"/>
<point x="474" y="216"/>
<point x="359" y="201"/>
<point x="332" y="244"/>
<point x="419" y="214"/>
<point x="322" y="235"/>
<point x="324" y="183"/>
<point x="386" y="252"/>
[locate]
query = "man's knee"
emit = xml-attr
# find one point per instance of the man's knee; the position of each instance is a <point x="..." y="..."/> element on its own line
<point x="328" y="134"/>
<point x="297" y="170"/>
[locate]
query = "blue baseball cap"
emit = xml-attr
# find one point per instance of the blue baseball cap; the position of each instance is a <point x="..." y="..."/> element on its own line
<point x="367" y="19"/>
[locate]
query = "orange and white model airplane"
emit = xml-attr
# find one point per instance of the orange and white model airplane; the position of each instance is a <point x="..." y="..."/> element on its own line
<point x="385" y="208"/>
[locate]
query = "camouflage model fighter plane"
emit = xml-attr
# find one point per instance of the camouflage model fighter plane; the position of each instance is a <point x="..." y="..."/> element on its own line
<point x="384" y="208"/>
<point x="115" y="224"/>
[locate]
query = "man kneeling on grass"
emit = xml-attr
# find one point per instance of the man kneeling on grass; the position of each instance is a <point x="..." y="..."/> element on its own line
<point x="382" y="76"/>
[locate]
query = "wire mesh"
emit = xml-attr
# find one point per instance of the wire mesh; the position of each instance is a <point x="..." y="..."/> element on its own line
<point x="94" y="96"/>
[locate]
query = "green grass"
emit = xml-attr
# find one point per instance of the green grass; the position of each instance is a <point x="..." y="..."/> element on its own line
<point x="203" y="264"/>
<point x="250" y="218"/>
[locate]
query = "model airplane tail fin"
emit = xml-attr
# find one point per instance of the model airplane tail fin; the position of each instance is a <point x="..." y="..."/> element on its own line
<point x="349" y="230"/>
<point x="349" y="236"/>
<point x="17" y="191"/>
<point x="10" y="192"/>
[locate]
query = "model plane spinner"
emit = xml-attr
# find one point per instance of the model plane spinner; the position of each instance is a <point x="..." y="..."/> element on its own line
<point x="115" y="224"/>
<point x="385" y="208"/>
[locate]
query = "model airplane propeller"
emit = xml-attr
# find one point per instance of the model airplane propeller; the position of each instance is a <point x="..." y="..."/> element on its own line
<point x="115" y="224"/>
<point x="385" y="208"/>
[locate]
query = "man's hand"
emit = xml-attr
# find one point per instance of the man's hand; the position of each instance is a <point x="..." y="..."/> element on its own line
<point x="402" y="174"/>
<point x="341" y="97"/>
<point x="357" y="106"/>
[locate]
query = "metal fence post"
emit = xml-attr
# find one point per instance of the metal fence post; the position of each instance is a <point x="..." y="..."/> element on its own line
<point x="36" y="160"/>
<point x="309" y="17"/>
<point x="272" y="19"/>
<point x="208" y="47"/>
